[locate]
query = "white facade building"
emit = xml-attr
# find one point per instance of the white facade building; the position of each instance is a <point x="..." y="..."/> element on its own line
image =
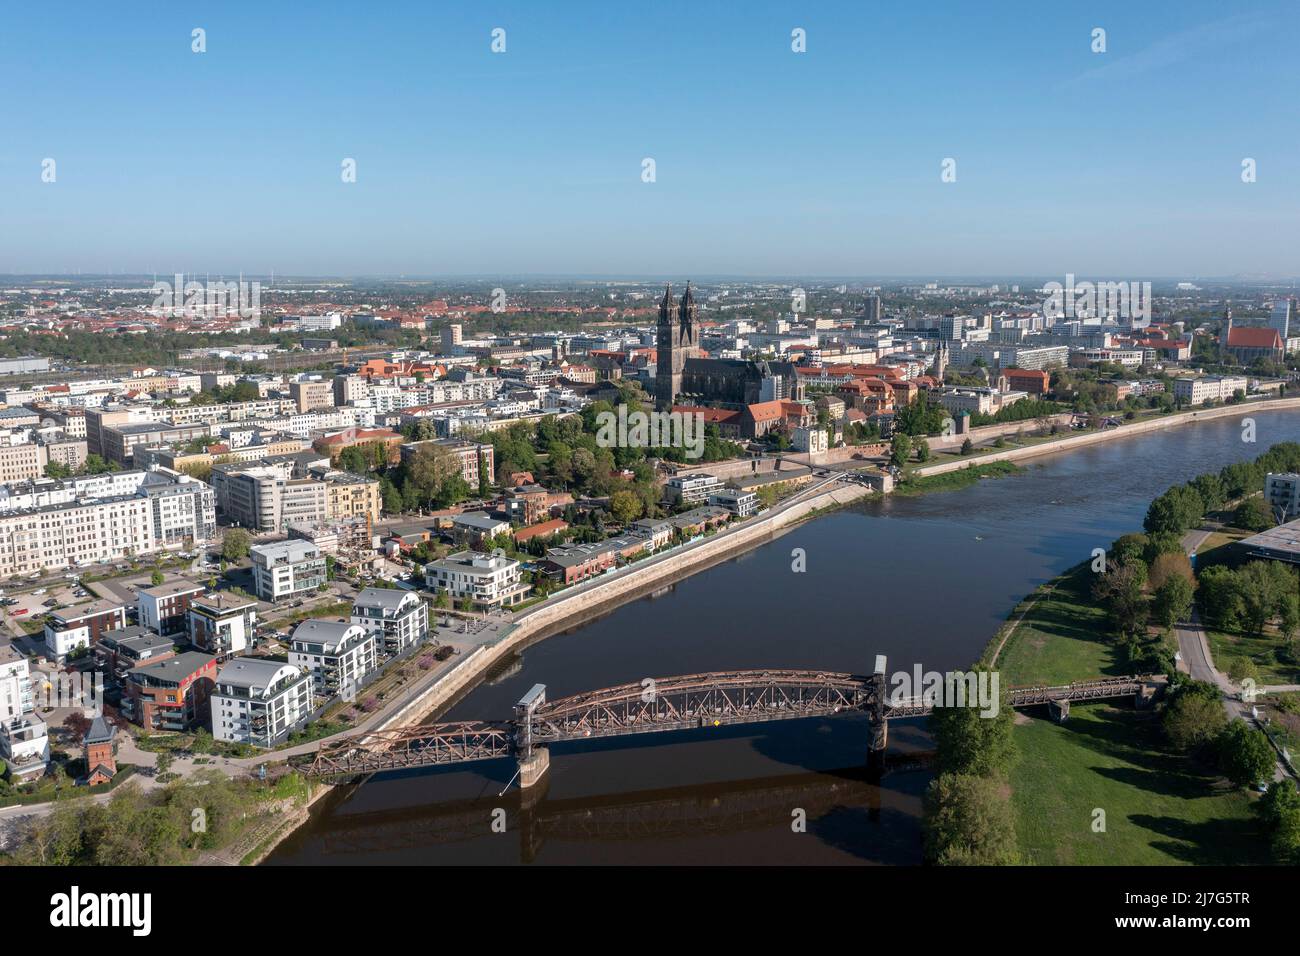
<point x="259" y="701"/>
<point x="488" y="580"/>
<point x="287" y="568"/>
<point x="395" y="619"/>
<point x="337" y="655"/>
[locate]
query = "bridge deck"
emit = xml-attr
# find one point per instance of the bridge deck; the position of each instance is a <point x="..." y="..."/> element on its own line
<point x="662" y="705"/>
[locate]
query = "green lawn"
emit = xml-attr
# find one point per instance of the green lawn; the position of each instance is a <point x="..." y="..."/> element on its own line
<point x="1057" y="643"/>
<point x="1161" y="808"/>
<point x="1265" y="651"/>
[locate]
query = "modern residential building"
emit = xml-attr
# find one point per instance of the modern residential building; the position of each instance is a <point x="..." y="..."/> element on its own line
<point x="1282" y="493"/>
<point x="476" y="527"/>
<point x="487" y="580"/>
<point x="577" y="562"/>
<point x="81" y="625"/>
<point x="691" y="489"/>
<point x="25" y="747"/>
<point x="395" y="619"/>
<point x="656" y="532"/>
<point x="286" y="569"/>
<point x="309" y="395"/>
<point x="165" y="608"/>
<point x="222" y="623"/>
<point x="337" y="655"/>
<point x="15" y="684"/>
<point x="259" y="702"/>
<point x="171" y="694"/>
<point x="740" y="503"/>
<point x="118" y="652"/>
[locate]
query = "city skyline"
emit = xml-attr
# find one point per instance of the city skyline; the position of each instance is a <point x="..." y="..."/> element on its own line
<point x="768" y="162"/>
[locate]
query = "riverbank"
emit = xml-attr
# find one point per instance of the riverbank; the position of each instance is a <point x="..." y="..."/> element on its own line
<point x="1130" y="429"/>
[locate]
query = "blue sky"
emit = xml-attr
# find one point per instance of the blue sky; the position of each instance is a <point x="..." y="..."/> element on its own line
<point x="1125" y="164"/>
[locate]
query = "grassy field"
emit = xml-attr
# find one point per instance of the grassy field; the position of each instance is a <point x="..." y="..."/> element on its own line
<point x="1057" y="642"/>
<point x="1263" y="651"/>
<point x="1161" y="808"/>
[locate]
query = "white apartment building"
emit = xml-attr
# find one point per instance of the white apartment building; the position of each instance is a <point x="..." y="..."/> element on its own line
<point x="742" y="504"/>
<point x="395" y="619"/>
<point x="15" y="684"/>
<point x="337" y="655"/>
<point x="1194" y="390"/>
<point x="25" y="747"/>
<point x="88" y="522"/>
<point x="1282" y="493"/>
<point x="259" y="702"/>
<point x="691" y="489"/>
<point x="488" y="580"/>
<point x="285" y="569"/>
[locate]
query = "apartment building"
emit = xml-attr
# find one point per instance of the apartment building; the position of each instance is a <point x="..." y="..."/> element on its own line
<point x="285" y="569"/>
<point x="1196" y="390"/>
<point x="170" y="694"/>
<point x="119" y="652"/>
<point x="165" y="608"/>
<point x="691" y="488"/>
<point x="160" y="510"/>
<point x="25" y="747"/>
<point x="309" y="395"/>
<point x="222" y="623"/>
<point x="259" y="702"/>
<point x="742" y="504"/>
<point x="487" y="580"/>
<point x="15" y="684"/>
<point x="120" y="441"/>
<point x="395" y="619"/>
<point x="81" y="625"/>
<point x="337" y="655"/>
<point x="1282" y="493"/>
<point x="351" y="496"/>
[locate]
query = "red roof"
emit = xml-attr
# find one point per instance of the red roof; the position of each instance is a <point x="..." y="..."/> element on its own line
<point x="1254" y="338"/>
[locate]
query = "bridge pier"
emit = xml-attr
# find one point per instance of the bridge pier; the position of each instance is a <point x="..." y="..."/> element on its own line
<point x="878" y="745"/>
<point x="532" y="769"/>
<point x="1059" y="709"/>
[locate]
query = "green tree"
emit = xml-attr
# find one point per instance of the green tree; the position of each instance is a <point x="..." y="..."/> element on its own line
<point x="235" y="544"/>
<point x="967" y="447"/>
<point x="969" y="822"/>
<point x="968" y="742"/>
<point x="922" y="450"/>
<point x="1121" y="590"/>
<point x="1245" y="755"/>
<point x="900" y="449"/>
<point x="1194" y="718"/>
<point x="1252" y="515"/>
<point x="625" y="506"/>
<point x="1173" y="600"/>
<point x="156" y="578"/>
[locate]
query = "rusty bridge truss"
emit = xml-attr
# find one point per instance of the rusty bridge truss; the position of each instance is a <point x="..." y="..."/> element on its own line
<point x="656" y="705"/>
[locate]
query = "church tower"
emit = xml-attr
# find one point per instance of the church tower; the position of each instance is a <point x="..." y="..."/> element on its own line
<point x="676" y="341"/>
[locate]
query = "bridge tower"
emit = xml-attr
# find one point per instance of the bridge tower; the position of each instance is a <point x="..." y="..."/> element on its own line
<point x="533" y="760"/>
<point x="879" y="722"/>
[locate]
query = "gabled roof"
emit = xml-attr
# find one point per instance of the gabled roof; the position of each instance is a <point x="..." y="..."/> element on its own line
<point x="1254" y="338"/>
<point x="101" y="732"/>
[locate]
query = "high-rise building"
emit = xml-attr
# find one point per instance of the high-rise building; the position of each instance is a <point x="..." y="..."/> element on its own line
<point x="1280" y="319"/>
<point x="871" y="311"/>
<point x="676" y="341"/>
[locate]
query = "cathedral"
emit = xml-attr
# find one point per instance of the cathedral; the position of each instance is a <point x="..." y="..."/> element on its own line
<point x="676" y="341"/>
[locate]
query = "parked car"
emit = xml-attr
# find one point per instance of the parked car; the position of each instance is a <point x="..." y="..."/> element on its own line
<point x="38" y="592"/>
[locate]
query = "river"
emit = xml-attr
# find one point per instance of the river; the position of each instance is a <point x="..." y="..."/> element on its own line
<point x="922" y="580"/>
